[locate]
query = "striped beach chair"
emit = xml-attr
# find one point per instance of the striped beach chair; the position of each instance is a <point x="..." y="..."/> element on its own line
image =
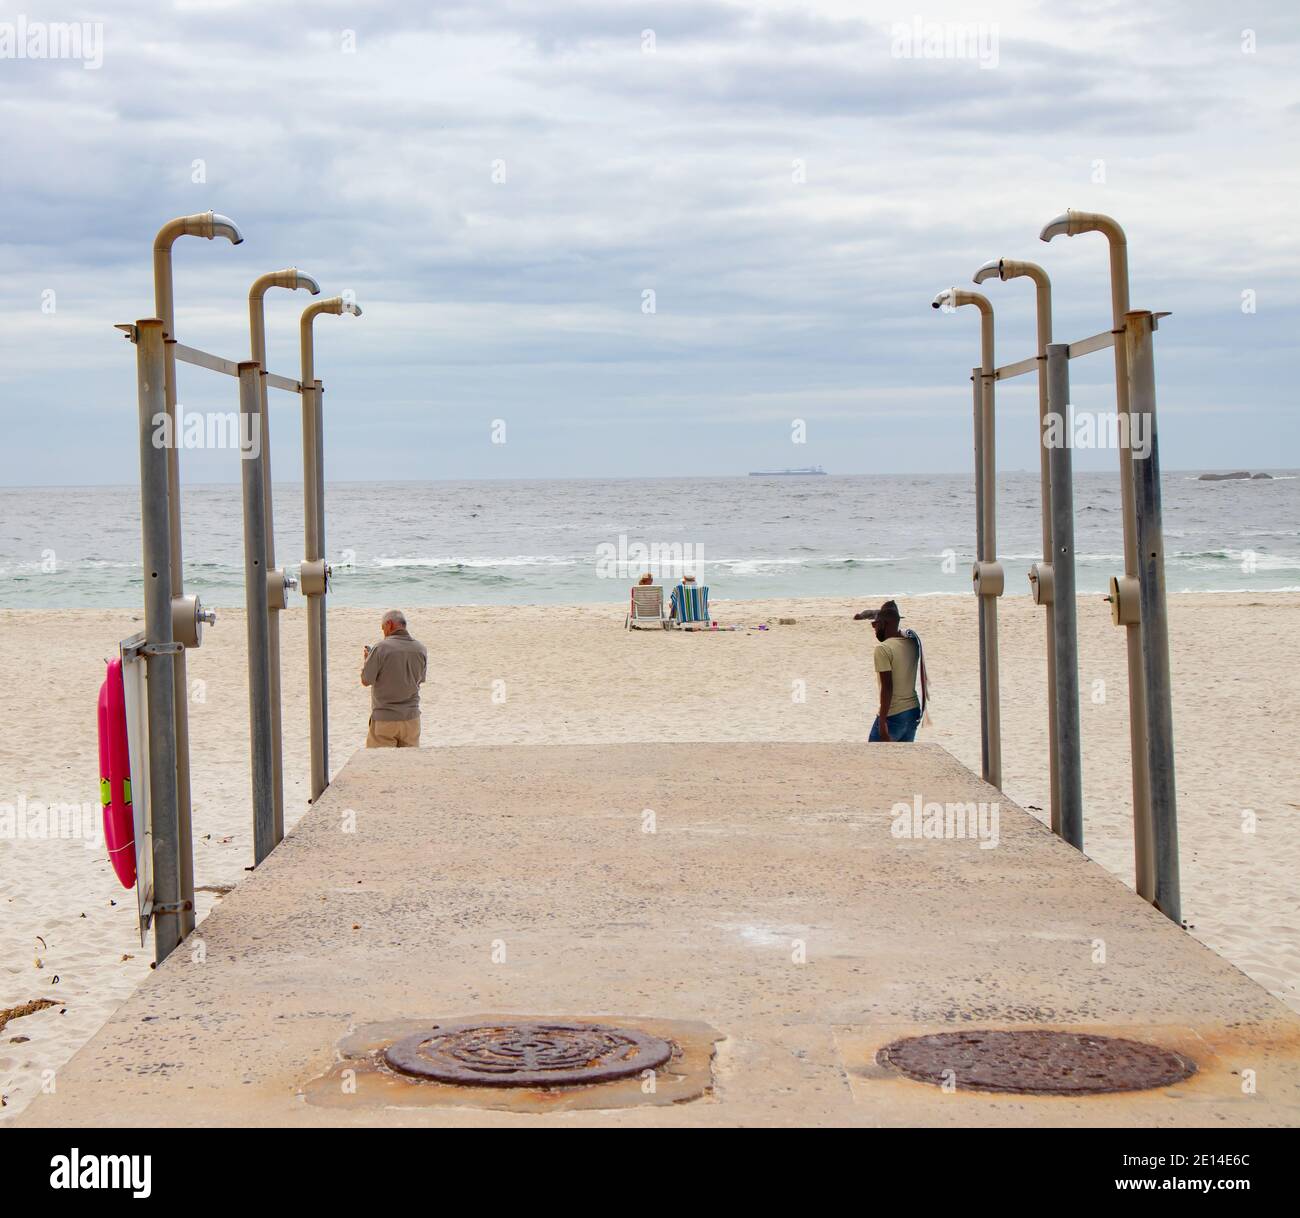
<point x="647" y="608"/>
<point x="691" y="607"/>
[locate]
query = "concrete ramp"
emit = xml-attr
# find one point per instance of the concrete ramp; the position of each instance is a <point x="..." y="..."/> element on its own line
<point x="769" y="912"/>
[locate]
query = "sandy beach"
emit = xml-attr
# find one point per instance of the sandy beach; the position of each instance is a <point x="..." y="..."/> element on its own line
<point x="540" y="675"/>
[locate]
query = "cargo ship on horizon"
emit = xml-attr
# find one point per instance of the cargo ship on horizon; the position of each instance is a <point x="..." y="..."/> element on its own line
<point x="786" y="473"/>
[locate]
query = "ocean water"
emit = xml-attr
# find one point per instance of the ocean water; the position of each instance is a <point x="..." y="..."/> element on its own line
<point x="558" y="541"/>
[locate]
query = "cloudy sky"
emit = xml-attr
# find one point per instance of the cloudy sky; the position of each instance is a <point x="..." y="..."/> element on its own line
<point x="504" y="183"/>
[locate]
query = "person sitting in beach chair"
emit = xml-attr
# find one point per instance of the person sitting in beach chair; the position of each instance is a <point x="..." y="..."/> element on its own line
<point x="690" y="605"/>
<point x="897" y="660"/>
<point x="647" y="608"/>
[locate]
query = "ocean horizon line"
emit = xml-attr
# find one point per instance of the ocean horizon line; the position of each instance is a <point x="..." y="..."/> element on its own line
<point x="897" y="473"/>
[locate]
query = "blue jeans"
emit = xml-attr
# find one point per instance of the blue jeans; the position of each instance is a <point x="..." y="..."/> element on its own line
<point x="902" y="726"/>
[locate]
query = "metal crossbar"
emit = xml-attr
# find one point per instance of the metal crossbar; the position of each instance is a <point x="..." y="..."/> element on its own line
<point x="216" y="363"/>
<point x="1085" y="346"/>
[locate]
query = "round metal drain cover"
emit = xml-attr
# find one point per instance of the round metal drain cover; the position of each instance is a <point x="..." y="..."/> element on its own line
<point x="527" y="1053"/>
<point x="1036" y="1062"/>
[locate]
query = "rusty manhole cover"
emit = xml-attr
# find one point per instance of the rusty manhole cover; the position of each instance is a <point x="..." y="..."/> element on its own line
<point x="527" y="1053"/>
<point x="1036" y="1062"/>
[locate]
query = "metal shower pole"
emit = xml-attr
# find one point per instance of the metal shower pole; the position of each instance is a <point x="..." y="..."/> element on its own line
<point x="161" y="653"/>
<point x="322" y="637"/>
<point x="1063" y="654"/>
<point x="186" y="611"/>
<point x="977" y="432"/>
<point x="252" y="478"/>
<point x="278" y="583"/>
<point x="1125" y="593"/>
<point x="988" y="576"/>
<point x="314" y="572"/>
<point x="1004" y="269"/>
<point x="1138" y="327"/>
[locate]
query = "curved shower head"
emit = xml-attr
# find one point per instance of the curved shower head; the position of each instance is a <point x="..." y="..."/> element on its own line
<point x="207" y="224"/>
<point x="290" y="278"/>
<point x="1058" y="227"/>
<point x="954" y="298"/>
<point x="336" y="305"/>
<point x="224" y="226"/>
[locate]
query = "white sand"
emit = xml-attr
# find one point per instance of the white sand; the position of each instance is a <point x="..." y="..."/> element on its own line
<point x="573" y="675"/>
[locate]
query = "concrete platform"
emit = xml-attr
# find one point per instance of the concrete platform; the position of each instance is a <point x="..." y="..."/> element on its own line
<point x="754" y="900"/>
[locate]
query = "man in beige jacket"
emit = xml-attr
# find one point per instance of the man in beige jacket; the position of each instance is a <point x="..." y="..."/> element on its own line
<point x="394" y="669"/>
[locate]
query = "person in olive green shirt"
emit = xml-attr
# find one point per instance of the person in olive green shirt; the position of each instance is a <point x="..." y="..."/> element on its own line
<point x="897" y="659"/>
<point x="394" y="670"/>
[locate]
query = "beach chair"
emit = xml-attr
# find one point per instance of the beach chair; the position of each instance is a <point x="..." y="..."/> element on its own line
<point x="692" y="604"/>
<point x="647" y="608"/>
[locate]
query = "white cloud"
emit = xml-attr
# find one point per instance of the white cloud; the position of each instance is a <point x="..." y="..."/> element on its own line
<point x="793" y="195"/>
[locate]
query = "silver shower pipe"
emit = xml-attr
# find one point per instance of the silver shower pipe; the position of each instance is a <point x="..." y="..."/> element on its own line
<point x="1140" y="325"/>
<point x="1063" y="650"/>
<point x="1125" y="595"/>
<point x="278" y="583"/>
<point x="987" y="573"/>
<point x="161" y="651"/>
<point x="259" y="618"/>
<point x="187" y="613"/>
<point x="1041" y="576"/>
<point x="315" y="572"/>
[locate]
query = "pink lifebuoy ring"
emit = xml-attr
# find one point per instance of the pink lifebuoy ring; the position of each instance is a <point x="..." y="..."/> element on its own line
<point x="115" y="776"/>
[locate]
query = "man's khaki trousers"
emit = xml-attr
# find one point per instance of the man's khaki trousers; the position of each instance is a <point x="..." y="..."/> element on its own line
<point x="393" y="733"/>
